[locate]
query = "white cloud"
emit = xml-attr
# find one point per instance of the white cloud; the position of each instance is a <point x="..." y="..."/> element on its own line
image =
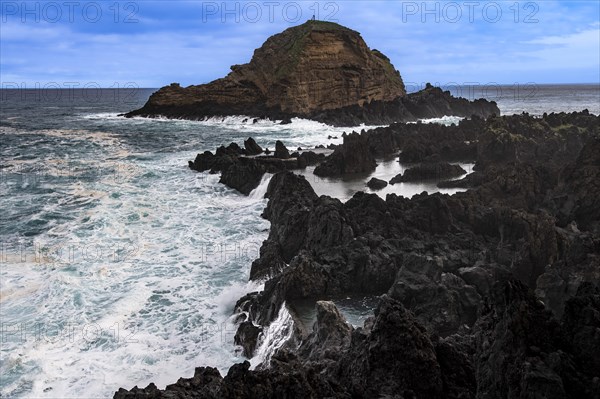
<point x="42" y="32"/>
<point x="581" y="49"/>
<point x="155" y="52"/>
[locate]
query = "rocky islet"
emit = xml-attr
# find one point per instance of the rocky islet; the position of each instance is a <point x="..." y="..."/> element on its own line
<point x="317" y="70"/>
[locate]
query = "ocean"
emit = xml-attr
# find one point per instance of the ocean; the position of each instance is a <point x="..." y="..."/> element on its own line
<point x="119" y="266"/>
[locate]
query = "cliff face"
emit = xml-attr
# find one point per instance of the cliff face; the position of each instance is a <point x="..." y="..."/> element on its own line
<point x="317" y="70"/>
<point x="312" y="67"/>
<point x="319" y="65"/>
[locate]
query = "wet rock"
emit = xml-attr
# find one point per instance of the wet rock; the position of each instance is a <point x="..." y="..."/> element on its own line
<point x="251" y="147"/>
<point x="281" y="151"/>
<point x="269" y="263"/>
<point x="331" y="334"/>
<point x="206" y="383"/>
<point x="303" y="279"/>
<point x="233" y="149"/>
<point x="376" y="184"/>
<point x="244" y="175"/>
<point x="310" y="158"/>
<point x="203" y="162"/>
<point x="383" y="143"/>
<point x="433" y="102"/>
<point x="247" y="336"/>
<point x="515" y="350"/>
<point x="291" y="199"/>
<point x="352" y="157"/>
<point x="427" y="171"/>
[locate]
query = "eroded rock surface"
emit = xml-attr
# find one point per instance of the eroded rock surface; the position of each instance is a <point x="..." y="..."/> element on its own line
<point x="489" y="293"/>
<point x="317" y="70"/>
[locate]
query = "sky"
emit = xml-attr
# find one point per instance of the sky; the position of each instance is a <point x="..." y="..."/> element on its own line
<point x="154" y="43"/>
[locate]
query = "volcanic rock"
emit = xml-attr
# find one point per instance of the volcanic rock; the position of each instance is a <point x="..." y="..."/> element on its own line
<point x="396" y="357"/>
<point x="492" y="292"/>
<point x="251" y="147"/>
<point x="376" y="184"/>
<point x="438" y="170"/>
<point x="318" y="70"/>
<point x="331" y="334"/>
<point x="247" y="336"/>
<point x="442" y="302"/>
<point x="281" y="151"/>
<point x="244" y="173"/>
<point x="352" y="157"/>
<point x="523" y="352"/>
<point x="307" y="68"/>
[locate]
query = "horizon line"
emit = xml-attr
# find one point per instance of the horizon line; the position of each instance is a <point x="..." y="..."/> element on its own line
<point x="451" y="84"/>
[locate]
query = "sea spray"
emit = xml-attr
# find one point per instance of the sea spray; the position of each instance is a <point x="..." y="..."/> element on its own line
<point x="273" y="337"/>
<point x="260" y="191"/>
<point x="84" y="178"/>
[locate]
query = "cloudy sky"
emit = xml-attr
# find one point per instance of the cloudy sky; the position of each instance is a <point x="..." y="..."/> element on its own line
<point x="153" y="43"/>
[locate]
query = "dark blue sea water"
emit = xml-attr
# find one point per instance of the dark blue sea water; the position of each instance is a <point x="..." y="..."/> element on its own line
<point x="118" y="265"/>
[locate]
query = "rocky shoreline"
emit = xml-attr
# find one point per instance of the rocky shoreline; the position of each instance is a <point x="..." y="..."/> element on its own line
<point x="489" y="293"/>
<point x="430" y="102"/>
